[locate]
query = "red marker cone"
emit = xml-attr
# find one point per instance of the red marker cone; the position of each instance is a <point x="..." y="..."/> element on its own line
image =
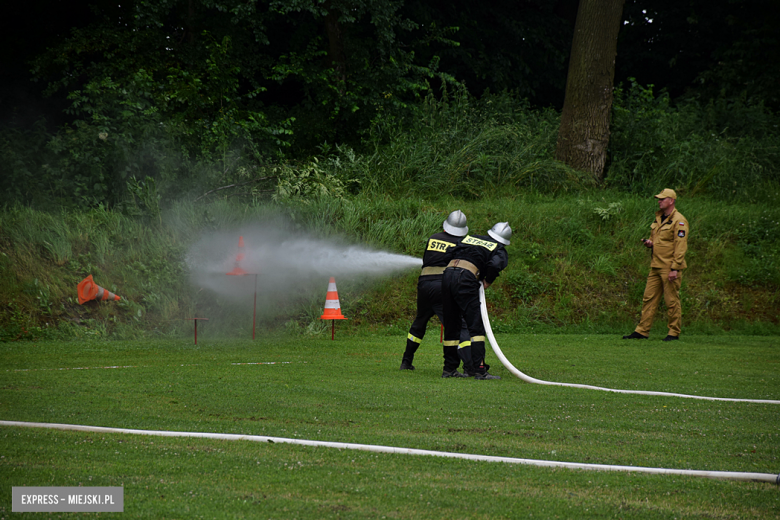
<point x="88" y="290"/>
<point x="237" y="271"/>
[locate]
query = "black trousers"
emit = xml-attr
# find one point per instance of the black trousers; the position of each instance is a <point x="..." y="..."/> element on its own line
<point x="460" y="302"/>
<point x="429" y="302"/>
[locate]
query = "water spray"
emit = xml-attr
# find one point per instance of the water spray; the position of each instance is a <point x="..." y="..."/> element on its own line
<point x="289" y="265"/>
<point x="285" y="260"/>
<point x="528" y="379"/>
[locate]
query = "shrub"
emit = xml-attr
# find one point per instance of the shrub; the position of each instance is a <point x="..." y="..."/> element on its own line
<point x="727" y="148"/>
<point x="466" y="147"/>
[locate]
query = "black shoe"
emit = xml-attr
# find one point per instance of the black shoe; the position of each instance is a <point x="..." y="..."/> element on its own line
<point x="635" y="335"/>
<point x="454" y="373"/>
<point x="406" y="366"/>
<point x="670" y="338"/>
<point x="485" y="376"/>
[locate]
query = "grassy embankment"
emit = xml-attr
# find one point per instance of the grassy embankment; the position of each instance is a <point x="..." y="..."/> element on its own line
<point x="350" y="390"/>
<point x="575" y="264"/>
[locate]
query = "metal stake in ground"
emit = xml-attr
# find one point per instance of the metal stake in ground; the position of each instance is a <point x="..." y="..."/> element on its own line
<point x="238" y="271"/>
<point x="254" y="305"/>
<point x="196" y="326"/>
<point x="254" y="309"/>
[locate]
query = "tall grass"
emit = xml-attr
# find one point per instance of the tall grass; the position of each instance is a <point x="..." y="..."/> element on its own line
<point x="453" y="145"/>
<point x="472" y="148"/>
<point x="725" y="148"/>
<point x="57" y="250"/>
<point x="463" y="147"/>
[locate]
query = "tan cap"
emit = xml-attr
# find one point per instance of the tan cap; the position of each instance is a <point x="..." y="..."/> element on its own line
<point x="667" y="193"/>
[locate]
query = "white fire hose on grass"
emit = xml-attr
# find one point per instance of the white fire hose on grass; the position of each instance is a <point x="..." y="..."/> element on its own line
<point x="528" y="379"/>
<point x="722" y="475"/>
<point x="730" y="475"/>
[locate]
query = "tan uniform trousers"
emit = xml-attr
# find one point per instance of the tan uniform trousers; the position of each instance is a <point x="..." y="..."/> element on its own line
<point x="658" y="284"/>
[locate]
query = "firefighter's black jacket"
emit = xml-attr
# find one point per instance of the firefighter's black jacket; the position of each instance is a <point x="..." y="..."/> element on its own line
<point x="438" y="252"/>
<point x="487" y="254"/>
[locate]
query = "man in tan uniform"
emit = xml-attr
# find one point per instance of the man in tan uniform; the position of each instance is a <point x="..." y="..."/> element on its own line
<point x="668" y="242"/>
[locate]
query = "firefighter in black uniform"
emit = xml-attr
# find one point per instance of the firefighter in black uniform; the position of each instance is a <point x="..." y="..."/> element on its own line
<point x="438" y="253"/>
<point x="477" y="259"/>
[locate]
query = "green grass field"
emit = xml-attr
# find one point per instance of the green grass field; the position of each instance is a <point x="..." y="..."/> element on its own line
<point x="350" y="390"/>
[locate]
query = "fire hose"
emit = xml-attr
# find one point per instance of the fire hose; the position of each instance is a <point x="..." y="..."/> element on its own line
<point x="528" y="379"/>
<point x="724" y="475"/>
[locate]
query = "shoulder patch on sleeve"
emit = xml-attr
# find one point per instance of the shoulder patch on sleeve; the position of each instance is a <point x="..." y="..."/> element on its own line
<point x="681" y="234"/>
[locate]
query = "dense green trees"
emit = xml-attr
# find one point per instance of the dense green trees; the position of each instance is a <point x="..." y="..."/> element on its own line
<point x="199" y="90"/>
<point x="705" y="49"/>
<point x="178" y="97"/>
<point x="329" y="66"/>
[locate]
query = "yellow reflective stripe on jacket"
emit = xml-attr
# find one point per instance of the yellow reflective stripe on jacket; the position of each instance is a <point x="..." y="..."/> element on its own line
<point x="464" y="344"/>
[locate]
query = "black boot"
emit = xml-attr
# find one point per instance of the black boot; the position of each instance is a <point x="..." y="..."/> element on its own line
<point x="482" y="372"/>
<point x="411" y="348"/>
<point x="468" y="364"/>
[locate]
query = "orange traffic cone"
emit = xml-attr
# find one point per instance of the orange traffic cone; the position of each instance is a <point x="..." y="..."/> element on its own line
<point x="332" y="307"/>
<point x="88" y="290"/>
<point x="237" y="271"/>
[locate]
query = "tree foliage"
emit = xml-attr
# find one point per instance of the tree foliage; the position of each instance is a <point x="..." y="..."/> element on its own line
<point x="327" y="65"/>
<point x="703" y="49"/>
<point x="197" y="97"/>
<point x="723" y="148"/>
<point x="515" y="45"/>
<point x="160" y="89"/>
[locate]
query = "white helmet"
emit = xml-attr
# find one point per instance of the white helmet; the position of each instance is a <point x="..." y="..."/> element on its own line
<point x="456" y="224"/>
<point x="501" y="232"/>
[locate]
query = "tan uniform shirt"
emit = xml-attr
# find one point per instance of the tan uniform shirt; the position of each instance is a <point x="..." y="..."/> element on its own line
<point x="670" y="241"/>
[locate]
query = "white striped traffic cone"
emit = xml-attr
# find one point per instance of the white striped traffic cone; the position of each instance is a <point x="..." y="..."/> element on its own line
<point x="88" y="290"/>
<point x="332" y="305"/>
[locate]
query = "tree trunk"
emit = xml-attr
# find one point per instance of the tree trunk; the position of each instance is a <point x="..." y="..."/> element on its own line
<point x="336" y="57"/>
<point x="189" y="23"/>
<point x="584" y="132"/>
